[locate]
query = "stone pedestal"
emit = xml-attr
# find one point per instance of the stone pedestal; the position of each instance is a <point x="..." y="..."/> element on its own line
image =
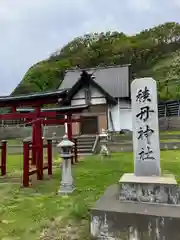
<point x="149" y="189"/>
<point x="112" y="219"/>
<point x="67" y="185"/>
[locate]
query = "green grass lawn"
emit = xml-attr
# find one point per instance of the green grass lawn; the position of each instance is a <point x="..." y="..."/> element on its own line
<point x="170" y="132"/>
<point x="38" y="213"/>
<point x="170" y="140"/>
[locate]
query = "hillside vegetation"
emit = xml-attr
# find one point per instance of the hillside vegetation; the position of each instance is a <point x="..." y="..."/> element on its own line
<point x="152" y="52"/>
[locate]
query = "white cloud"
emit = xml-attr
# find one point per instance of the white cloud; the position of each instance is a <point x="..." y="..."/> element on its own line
<point x="140" y="5"/>
<point x="32" y="29"/>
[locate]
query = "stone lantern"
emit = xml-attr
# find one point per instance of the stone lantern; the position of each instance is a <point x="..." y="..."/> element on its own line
<point x="66" y="147"/>
<point x="103" y="138"/>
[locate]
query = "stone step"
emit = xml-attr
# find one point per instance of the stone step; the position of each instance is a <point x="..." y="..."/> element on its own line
<point x="86" y="140"/>
<point x="85" y="154"/>
<point x="88" y="150"/>
<point x="85" y="146"/>
<point x="85" y="143"/>
<point x="87" y="136"/>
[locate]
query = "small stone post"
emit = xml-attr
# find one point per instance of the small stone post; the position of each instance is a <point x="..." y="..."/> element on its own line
<point x="103" y="141"/>
<point x="54" y="138"/>
<point x="66" y="185"/>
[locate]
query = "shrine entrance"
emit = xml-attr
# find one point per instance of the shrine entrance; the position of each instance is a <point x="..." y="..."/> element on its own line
<point x="89" y="125"/>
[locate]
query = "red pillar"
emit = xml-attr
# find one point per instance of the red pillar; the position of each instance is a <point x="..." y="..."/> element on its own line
<point x="39" y="150"/>
<point x="3" y="157"/>
<point x="69" y="126"/>
<point x="49" y="153"/>
<point x="34" y="154"/>
<point x="26" y="164"/>
<point x="13" y="109"/>
<point x="39" y="145"/>
<point x="69" y="131"/>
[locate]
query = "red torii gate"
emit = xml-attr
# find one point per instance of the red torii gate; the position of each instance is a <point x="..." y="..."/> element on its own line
<point x="37" y="118"/>
<point x="37" y="101"/>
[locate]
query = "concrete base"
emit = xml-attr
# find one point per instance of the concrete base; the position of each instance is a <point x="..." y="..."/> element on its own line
<point x="66" y="189"/>
<point x="152" y="189"/>
<point x="112" y="219"/>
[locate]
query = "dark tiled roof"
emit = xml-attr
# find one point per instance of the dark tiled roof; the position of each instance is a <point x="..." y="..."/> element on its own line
<point x="114" y="80"/>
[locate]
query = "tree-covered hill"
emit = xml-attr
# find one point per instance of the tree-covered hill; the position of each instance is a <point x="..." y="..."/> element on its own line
<point x="153" y="52"/>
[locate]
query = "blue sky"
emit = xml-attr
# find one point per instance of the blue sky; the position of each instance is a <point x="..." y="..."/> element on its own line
<point x="31" y="30"/>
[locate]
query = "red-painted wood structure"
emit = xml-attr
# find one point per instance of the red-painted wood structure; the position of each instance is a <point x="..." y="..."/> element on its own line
<point x="38" y="117"/>
<point x="38" y="168"/>
<point x="3" y="149"/>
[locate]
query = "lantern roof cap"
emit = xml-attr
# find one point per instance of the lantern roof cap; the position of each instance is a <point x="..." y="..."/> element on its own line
<point x="65" y="142"/>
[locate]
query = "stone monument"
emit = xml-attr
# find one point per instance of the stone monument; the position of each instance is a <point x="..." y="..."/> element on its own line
<point x="146" y="184"/>
<point x="145" y="128"/>
<point x="145" y="204"/>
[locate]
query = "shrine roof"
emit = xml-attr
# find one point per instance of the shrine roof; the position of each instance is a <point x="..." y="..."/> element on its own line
<point x="58" y="109"/>
<point x="115" y="80"/>
<point x="87" y="79"/>
<point x="45" y="96"/>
